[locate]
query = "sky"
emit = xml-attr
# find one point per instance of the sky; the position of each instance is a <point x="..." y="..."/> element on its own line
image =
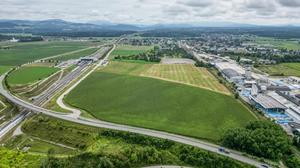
<point x="263" y="12"/>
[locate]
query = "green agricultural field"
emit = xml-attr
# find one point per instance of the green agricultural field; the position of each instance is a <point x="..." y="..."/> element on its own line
<point x="126" y="50"/>
<point x="21" y="53"/>
<point x="285" y="69"/>
<point x="29" y="74"/>
<point x="118" y="94"/>
<point x="77" y="55"/>
<point x="4" y="69"/>
<point x="186" y="74"/>
<point x="126" y="68"/>
<point x="279" y="43"/>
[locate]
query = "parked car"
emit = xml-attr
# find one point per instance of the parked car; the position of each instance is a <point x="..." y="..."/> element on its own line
<point x="223" y="150"/>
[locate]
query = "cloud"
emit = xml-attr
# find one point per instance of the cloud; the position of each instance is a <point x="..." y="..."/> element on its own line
<point x="155" y="11"/>
<point x="196" y="3"/>
<point x="176" y="10"/>
<point x="289" y="3"/>
<point x="261" y="7"/>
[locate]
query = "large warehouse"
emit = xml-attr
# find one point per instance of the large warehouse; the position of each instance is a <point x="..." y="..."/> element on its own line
<point x="232" y="76"/>
<point x="267" y="103"/>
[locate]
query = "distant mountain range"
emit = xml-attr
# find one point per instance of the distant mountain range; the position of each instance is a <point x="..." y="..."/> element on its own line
<point x="57" y="27"/>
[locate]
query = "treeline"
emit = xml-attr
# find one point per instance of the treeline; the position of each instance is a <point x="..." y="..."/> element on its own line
<point x="21" y="38"/>
<point x="137" y="157"/>
<point x="259" y="138"/>
<point x="132" y="157"/>
<point x="148" y="151"/>
<point x="149" y="56"/>
<point x="102" y="33"/>
<point x="276" y="32"/>
<point x="186" y="154"/>
<point x="156" y="54"/>
<point x="133" y="138"/>
<point x="263" y="139"/>
<point x="175" y="52"/>
<point x="291" y="57"/>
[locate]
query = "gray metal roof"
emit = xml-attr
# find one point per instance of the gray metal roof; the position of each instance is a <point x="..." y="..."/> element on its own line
<point x="279" y="88"/>
<point x="267" y="102"/>
<point x="230" y="73"/>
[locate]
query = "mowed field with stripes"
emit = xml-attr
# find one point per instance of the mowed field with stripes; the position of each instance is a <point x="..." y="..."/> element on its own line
<point x="186" y="74"/>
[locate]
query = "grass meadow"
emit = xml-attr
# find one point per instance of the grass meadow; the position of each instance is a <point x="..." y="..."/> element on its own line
<point x="4" y="69"/>
<point x="286" y="69"/>
<point x="279" y="43"/>
<point x="29" y="74"/>
<point x="21" y="53"/>
<point x="127" y="50"/>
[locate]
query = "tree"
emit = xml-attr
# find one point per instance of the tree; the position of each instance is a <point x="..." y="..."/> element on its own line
<point x="238" y="59"/>
<point x="292" y="161"/>
<point x="259" y="138"/>
<point x="104" y="163"/>
<point x="236" y="95"/>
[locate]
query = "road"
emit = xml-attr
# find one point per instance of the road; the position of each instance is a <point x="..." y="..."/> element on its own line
<point x="76" y="112"/>
<point x="102" y="124"/>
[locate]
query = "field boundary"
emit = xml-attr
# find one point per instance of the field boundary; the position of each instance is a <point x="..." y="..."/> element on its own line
<point x="174" y="81"/>
<point x="186" y="74"/>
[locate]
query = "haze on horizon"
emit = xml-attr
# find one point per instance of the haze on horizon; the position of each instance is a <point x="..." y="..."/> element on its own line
<point x="264" y="12"/>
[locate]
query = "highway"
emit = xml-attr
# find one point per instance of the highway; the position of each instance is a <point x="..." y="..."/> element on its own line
<point x="102" y="124"/>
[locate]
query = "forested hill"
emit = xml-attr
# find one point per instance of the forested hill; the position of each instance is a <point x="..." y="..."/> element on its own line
<point x="56" y="27"/>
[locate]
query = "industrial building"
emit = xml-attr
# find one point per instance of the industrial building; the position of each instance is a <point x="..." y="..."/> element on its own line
<point x="267" y="103"/>
<point x="232" y="76"/>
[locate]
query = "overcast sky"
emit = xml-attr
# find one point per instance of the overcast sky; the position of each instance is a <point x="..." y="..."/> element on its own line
<point x="155" y="11"/>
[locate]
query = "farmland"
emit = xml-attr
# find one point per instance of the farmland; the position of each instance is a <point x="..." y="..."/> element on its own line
<point x="118" y="94"/>
<point x="29" y="74"/>
<point x="26" y="52"/>
<point x="186" y="74"/>
<point x="126" y="50"/>
<point x="278" y="43"/>
<point x="285" y="69"/>
<point x="76" y="55"/>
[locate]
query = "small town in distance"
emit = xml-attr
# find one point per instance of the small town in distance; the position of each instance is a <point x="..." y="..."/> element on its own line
<point x="144" y="84"/>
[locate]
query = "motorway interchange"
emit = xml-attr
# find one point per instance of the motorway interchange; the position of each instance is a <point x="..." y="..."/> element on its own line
<point x="82" y="70"/>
